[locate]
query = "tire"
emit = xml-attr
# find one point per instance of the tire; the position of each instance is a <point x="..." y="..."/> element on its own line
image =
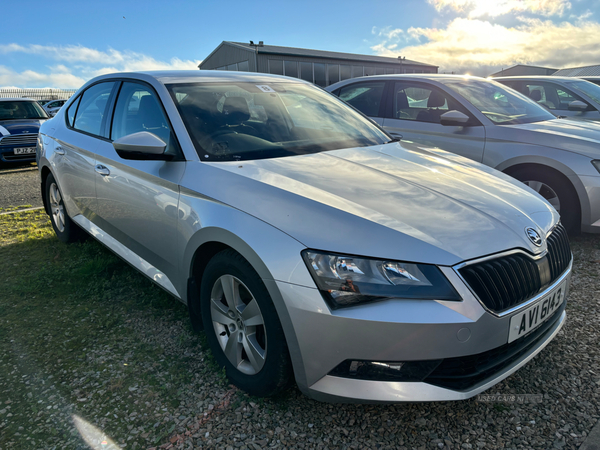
<point x="242" y="326"/>
<point x="557" y="190"/>
<point x="66" y="230"/>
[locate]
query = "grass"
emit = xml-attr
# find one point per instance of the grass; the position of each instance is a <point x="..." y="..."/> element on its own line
<point x="70" y="340"/>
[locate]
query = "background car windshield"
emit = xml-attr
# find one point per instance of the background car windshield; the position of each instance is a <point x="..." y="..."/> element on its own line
<point x="590" y="89"/>
<point x="501" y="105"/>
<point x="242" y="121"/>
<point x="21" y="110"/>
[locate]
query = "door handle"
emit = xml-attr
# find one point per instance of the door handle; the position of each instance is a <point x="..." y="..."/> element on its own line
<point x="59" y="151"/>
<point x="102" y="170"/>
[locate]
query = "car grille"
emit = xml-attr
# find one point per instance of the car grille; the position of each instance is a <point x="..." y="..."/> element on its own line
<point x="505" y="282"/>
<point x="466" y="371"/>
<point x="26" y="140"/>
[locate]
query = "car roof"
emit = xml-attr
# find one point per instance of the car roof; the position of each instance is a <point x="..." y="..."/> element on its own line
<point x="204" y="76"/>
<point x="17" y="99"/>
<point x="535" y="77"/>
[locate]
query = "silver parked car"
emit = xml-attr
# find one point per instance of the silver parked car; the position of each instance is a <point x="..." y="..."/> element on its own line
<point x="52" y="107"/>
<point x="305" y="242"/>
<point x="563" y="96"/>
<point x="489" y="123"/>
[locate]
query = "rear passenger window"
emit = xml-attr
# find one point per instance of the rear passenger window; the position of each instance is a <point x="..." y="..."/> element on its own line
<point x="91" y="113"/>
<point x="139" y="109"/>
<point x="366" y="97"/>
<point x="72" y="110"/>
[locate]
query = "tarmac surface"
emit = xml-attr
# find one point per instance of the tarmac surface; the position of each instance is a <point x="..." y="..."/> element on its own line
<point x="19" y="186"/>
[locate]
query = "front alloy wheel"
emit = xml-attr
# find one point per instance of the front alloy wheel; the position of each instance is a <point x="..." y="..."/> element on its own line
<point x="238" y="324"/>
<point x="242" y="326"/>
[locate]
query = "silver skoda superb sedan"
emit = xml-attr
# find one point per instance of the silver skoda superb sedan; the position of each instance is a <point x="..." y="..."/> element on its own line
<point x="307" y="243"/>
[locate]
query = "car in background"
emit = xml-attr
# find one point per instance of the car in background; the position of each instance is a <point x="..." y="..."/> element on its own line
<point x="563" y="96"/>
<point x="20" y="120"/>
<point x="53" y="106"/>
<point x="486" y="121"/>
<point x="43" y="102"/>
<point x="305" y="241"/>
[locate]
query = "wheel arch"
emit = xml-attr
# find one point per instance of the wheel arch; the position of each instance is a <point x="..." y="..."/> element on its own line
<point x="209" y="241"/>
<point x="557" y="169"/>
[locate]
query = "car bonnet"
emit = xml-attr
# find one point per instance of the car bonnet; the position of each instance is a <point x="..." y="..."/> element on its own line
<point x="383" y="201"/>
<point x="576" y="136"/>
<point x="19" y="126"/>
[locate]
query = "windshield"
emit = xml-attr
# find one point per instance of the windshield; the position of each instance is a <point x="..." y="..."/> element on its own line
<point x="243" y="121"/>
<point x="500" y="104"/>
<point x="19" y="109"/>
<point x="590" y="89"/>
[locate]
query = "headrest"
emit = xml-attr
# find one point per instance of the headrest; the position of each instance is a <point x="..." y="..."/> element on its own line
<point x="235" y="110"/>
<point x="435" y="100"/>
<point x="535" y="95"/>
<point x="401" y="100"/>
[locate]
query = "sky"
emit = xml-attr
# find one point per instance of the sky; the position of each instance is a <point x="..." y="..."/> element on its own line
<point x="63" y="44"/>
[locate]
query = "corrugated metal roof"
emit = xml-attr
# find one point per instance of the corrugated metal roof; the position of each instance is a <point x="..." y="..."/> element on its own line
<point x="579" y="71"/>
<point x="293" y="51"/>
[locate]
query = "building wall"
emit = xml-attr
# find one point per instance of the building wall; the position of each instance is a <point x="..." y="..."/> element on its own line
<point x="524" y="71"/>
<point x="226" y="56"/>
<point x="321" y="71"/>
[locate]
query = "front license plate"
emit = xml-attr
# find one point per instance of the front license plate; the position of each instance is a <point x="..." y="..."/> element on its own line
<point x="528" y="320"/>
<point x="24" y="150"/>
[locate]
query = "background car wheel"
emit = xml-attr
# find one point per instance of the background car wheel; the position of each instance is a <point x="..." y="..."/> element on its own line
<point x="66" y="230"/>
<point x="557" y="190"/>
<point x="242" y="326"/>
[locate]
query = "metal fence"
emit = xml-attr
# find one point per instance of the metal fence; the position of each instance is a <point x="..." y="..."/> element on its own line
<point x="38" y="94"/>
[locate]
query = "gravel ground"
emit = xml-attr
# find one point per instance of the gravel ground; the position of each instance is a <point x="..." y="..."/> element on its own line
<point x="19" y="186"/>
<point x="207" y="413"/>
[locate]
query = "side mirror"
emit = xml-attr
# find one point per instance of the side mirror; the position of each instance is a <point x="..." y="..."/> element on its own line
<point x="577" y="105"/>
<point x="142" y="145"/>
<point x="454" y="118"/>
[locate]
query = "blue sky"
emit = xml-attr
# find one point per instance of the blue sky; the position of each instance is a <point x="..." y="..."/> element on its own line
<point x="63" y="44"/>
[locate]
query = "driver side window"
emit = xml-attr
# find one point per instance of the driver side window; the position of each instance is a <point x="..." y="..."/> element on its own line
<point x="419" y="103"/>
<point x="138" y="109"/>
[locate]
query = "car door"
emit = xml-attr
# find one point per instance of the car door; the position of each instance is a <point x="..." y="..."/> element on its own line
<point x="73" y="148"/>
<point x="367" y="97"/>
<point x="413" y="112"/>
<point x="554" y="97"/>
<point x="138" y="199"/>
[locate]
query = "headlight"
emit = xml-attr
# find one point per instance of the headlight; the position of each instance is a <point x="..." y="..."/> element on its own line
<point x="348" y="280"/>
<point x="596" y="164"/>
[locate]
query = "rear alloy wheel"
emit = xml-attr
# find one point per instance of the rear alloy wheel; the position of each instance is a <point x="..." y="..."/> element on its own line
<point x="557" y="191"/>
<point x="242" y="326"/>
<point x="66" y="230"/>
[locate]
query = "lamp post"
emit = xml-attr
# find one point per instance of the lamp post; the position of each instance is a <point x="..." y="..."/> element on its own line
<point x="401" y="58"/>
<point x="252" y="44"/>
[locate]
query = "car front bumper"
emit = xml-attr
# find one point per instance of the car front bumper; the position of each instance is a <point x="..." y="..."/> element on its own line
<point x="460" y="334"/>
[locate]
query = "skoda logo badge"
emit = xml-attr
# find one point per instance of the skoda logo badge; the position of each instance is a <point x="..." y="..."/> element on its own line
<point x="533" y="236"/>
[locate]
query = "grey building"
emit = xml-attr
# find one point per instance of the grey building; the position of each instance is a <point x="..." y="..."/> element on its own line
<point x="523" y="70"/>
<point x="317" y="66"/>
<point x="586" y="71"/>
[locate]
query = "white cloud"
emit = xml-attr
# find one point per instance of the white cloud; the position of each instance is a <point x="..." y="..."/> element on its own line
<point x="78" y="64"/>
<point x="481" y="47"/>
<point x="493" y="8"/>
<point x="30" y="78"/>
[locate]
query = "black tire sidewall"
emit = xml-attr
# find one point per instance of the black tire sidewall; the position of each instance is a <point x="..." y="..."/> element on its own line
<point x="276" y="372"/>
